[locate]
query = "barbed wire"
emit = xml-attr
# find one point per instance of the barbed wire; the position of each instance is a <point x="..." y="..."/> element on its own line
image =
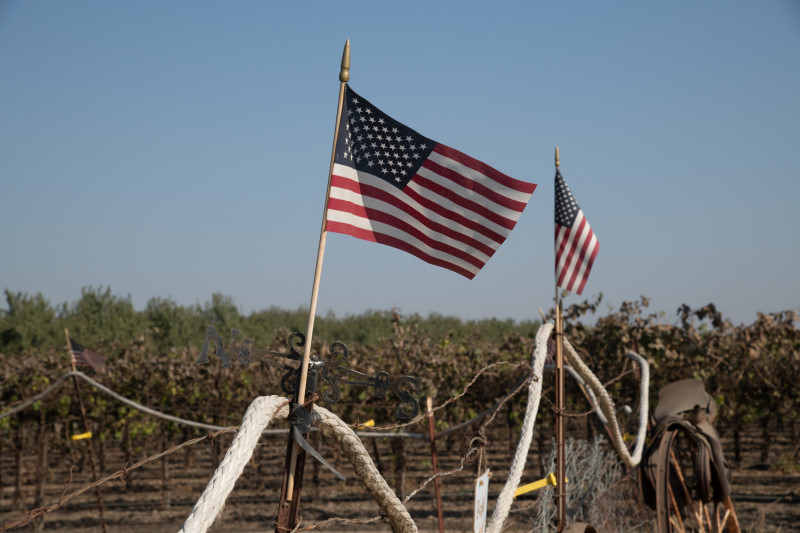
<point x="453" y="399"/>
<point x="121" y="473"/>
<point x="554" y="408"/>
<point x="468" y="456"/>
<point x="35" y="513"/>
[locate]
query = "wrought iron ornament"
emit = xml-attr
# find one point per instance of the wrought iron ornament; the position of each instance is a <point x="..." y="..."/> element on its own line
<point x="333" y="372"/>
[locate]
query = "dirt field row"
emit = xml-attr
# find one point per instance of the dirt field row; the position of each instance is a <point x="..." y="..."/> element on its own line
<point x="159" y="496"/>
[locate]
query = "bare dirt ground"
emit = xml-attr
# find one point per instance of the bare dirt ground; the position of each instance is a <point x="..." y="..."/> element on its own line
<point x="159" y="496"/>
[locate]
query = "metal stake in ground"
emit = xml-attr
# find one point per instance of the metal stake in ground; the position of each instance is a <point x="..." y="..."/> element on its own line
<point x="561" y="485"/>
<point x="561" y="491"/>
<point x="287" y="513"/>
<point x="432" y="432"/>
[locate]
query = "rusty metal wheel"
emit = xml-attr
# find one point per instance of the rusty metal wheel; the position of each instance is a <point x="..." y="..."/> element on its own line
<point x="690" y="505"/>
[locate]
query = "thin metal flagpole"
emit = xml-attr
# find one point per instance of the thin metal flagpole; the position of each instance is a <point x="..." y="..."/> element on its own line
<point x="344" y="77"/>
<point x="561" y="489"/>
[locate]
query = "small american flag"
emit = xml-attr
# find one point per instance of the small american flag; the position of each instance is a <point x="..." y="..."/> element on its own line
<point x="576" y="244"/>
<point x="393" y="186"/>
<point x="85" y="356"/>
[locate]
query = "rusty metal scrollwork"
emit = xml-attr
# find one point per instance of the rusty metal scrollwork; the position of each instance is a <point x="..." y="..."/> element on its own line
<point x="332" y="373"/>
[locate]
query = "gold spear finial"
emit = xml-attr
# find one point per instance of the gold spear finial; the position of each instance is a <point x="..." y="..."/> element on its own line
<point x="558" y="161"/>
<point x="344" y="74"/>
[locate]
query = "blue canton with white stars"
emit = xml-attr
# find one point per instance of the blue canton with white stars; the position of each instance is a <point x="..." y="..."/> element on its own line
<point x="372" y="141"/>
<point x="566" y="206"/>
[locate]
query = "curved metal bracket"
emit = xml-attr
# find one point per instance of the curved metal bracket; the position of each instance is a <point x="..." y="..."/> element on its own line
<point x="332" y="372"/>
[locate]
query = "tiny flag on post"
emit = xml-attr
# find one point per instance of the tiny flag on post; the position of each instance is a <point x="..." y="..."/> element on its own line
<point x="576" y="244"/>
<point x="85" y="356"/>
<point x="393" y="186"/>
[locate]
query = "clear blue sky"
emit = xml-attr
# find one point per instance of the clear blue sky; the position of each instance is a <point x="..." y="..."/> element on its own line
<point x="177" y="149"/>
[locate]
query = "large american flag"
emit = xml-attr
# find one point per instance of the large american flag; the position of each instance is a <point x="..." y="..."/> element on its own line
<point x="393" y="186"/>
<point x="85" y="356"/>
<point x="576" y="244"/>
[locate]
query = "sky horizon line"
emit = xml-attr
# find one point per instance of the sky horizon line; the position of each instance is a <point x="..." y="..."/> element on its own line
<point x="181" y="149"/>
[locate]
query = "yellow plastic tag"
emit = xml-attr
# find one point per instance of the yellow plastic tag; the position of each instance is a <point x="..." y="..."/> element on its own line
<point x="87" y="435"/>
<point x="536" y="485"/>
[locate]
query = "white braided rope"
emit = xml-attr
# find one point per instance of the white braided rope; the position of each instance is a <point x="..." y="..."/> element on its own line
<point x="589" y="392"/>
<point x="607" y="404"/>
<point x="644" y="404"/>
<point x="257" y="417"/>
<point x="334" y="428"/>
<point x="506" y="496"/>
<point x="139" y="407"/>
<point x="261" y="412"/>
<point x="607" y="414"/>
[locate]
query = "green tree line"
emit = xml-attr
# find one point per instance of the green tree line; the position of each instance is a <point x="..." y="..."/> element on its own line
<point x="108" y="323"/>
<point x="752" y="370"/>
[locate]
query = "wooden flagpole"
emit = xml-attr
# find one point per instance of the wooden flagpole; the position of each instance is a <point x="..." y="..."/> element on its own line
<point x="293" y="470"/>
<point x="87" y="429"/>
<point x="561" y="489"/>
